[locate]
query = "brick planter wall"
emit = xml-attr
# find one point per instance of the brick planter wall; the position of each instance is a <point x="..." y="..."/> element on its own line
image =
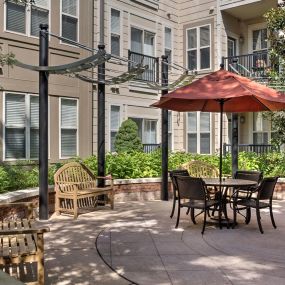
<point x="143" y="189"/>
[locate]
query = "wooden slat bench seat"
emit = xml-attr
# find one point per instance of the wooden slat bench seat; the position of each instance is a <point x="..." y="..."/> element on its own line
<point x="76" y="187"/>
<point x="21" y="242"/>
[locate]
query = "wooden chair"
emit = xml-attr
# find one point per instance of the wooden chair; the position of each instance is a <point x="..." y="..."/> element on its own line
<point x="76" y="187"/>
<point x="201" y="169"/>
<point x="21" y="241"/>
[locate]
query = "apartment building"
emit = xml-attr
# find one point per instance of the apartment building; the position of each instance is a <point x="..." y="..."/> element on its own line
<point x="196" y="34"/>
<point x="70" y="100"/>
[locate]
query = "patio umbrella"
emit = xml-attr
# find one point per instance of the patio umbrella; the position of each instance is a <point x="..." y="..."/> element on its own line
<point x="223" y="91"/>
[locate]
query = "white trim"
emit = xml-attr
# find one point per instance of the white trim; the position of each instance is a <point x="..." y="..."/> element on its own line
<point x="252" y="28"/>
<point x="109" y="121"/>
<point x="77" y="126"/>
<point x="198" y="132"/>
<point x="71" y="16"/>
<point x="171" y="42"/>
<point x="28" y="17"/>
<point x="236" y="37"/>
<point x="110" y="29"/>
<point x="198" y="47"/>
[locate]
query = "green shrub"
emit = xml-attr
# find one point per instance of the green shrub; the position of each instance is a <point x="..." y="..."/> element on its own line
<point x="127" y="139"/>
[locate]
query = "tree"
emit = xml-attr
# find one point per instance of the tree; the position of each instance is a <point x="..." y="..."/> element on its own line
<point x="6" y="59"/>
<point x="127" y="139"/>
<point x="275" y="19"/>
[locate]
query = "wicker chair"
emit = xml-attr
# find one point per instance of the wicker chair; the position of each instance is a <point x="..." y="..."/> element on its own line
<point x="194" y="190"/>
<point x="201" y="169"/>
<point x="263" y="200"/>
<point x="76" y="187"/>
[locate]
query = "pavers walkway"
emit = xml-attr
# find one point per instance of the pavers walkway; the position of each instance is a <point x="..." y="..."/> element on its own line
<point x="139" y="245"/>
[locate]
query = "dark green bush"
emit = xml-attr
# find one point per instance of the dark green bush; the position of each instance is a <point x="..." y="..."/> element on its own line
<point x="127" y="139"/>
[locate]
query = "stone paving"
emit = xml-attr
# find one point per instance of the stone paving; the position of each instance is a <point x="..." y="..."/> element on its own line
<point x="138" y="244"/>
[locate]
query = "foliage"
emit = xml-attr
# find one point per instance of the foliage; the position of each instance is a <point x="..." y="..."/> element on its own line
<point x="141" y="165"/>
<point x="275" y="19"/>
<point x="127" y="139"/>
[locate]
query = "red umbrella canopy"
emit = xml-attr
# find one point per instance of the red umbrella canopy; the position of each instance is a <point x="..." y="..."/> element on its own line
<point x="240" y="94"/>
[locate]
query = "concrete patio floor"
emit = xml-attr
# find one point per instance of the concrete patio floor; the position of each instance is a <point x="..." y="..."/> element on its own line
<point x="138" y="244"/>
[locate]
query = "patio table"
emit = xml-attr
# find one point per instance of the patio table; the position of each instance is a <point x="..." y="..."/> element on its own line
<point x="222" y="187"/>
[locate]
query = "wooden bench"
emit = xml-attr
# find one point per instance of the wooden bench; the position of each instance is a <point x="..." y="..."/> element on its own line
<point x="76" y="187"/>
<point x="21" y="241"/>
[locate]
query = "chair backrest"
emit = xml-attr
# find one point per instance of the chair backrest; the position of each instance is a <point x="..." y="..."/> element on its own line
<point x="71" y="173"/>
<point x="251" y="175"/>
<point x="191" y="188"/>
<point x="266" y="188"/>
<point x="202" y="169"/>
<point x="176" y="172"/>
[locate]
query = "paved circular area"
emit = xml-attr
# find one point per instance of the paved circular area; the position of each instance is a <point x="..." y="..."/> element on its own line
<point x="145" y="248"/>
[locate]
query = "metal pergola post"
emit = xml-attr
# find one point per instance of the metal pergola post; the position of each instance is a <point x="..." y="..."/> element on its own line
<point x="164" y="132"/>
<point x="234" y="143"/>
<point x="43" y="124"/>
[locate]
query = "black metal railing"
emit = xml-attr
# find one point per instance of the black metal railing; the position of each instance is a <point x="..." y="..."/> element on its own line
<point x="257" y="148"/>
<point x="150" y="147"/>
<point x="152" y="73"/>
<point x="255" y="65"/>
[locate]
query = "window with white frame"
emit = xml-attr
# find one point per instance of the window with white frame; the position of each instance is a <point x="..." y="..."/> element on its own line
<point x="147" y="130"/>
<point x="143" y="42"/>
<point x="26" y="18"/>
<point x="115" y="32"/>
<point x="199" y="48"/>
<point x="170" y="147"/>
<point x="69" y="19"/>
<point x="114" y="125"/>
<point x="261" y="129"/>
<point x="21" y="130"/>
<point x="168" y="43"/>
<point x="68" y="127"/>
<point x="199" y="132"/>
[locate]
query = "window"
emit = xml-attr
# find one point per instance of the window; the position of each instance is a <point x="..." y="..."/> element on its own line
<point x="21" y="126"/>
<point x="115" y="32"/>
<point x="199" y="48"/>
<point x="69" y="19"/>
<point x="26" y="18"/>
<point x="114" y="125"/>
<point x="199" y="132"/>
<point x="68" y="128"/>
<point x="261" y="129"/>
<point x="232" y="50"/>
<point x="259" y="48"/>
<point x="170" y="130"/>
<point x="168" y="44"/>
<point x="142" y="42"/>
<point x="146" y="130"/>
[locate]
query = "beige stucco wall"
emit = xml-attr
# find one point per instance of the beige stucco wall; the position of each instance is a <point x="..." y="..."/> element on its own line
<point x="19" y="80"/>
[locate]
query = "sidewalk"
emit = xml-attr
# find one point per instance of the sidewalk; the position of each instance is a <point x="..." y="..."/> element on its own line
<point x="139" y="245"/>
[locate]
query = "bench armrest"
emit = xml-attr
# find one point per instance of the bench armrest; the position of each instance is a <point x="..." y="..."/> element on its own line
<point x="25" y="231"/>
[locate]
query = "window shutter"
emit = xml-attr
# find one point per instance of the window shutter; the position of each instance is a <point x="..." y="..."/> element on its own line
<point x="136" y="40"/>
<point x="68" y="113"/>
<point x="115" y="21"/>
<point x="167" y="39"/>
<point x="38" y="16"/>
<point x="69" y="7"/>
<point x="34" y="107"/>
<point x="15" y="143"/>
<point x="115" y="117"/>
<point x="16" y="14"/>
<point x="15" y="110"/>
<point x="34" y="143"/>
<point x="68" y="128"/>
<point x="69" y="28"/>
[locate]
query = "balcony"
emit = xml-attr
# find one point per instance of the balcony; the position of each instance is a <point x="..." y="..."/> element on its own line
<point x="152" y="73"/>
<point x="257" y="148"/>
<point x="255" y="65"/>
<point x="247" y="9"/>
<point x="150" y="147"/>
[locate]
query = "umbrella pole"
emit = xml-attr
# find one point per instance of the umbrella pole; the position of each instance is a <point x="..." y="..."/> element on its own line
<point x="221" y="138"/>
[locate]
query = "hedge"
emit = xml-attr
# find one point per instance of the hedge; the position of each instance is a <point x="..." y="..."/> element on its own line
<point x="140" y="165"/>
